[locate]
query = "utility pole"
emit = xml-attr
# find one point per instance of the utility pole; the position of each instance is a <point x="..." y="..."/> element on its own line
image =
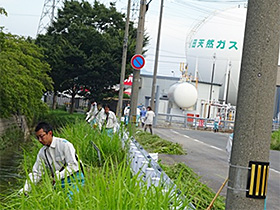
<point x="156" y="59"/>
<point x="136" y="73"/>
<point x="254" y="114"/>
<point x="124" y="55"/>
<point x="211" y="87"/>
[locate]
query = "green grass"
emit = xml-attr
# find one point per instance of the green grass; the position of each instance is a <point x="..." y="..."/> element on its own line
<point x="198" y="193"/>
<point x="59" y="118"/>
<point x="275" y="140"/>
<point x="153" y="143"/>
<point x="109" y="185"/>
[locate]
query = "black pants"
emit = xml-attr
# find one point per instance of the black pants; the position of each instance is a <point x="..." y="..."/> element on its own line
<point x="150" y="127"/>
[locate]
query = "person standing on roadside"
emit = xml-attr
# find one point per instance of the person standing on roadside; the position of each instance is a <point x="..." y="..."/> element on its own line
<point x="59" y="156"/>
<point x="143" y="116"/>
<point x="126" y="114"/>
<point x="149" y="119"/>
<point x="217" y="121"/>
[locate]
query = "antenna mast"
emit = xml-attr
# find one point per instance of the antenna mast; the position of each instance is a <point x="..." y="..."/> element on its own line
<point x="48" y="13"/>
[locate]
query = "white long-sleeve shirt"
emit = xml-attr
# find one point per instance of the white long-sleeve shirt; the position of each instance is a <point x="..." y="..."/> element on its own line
<point x="112" y="120"/>
<point x="61" y="153"/>
<point x="149" y="117"/>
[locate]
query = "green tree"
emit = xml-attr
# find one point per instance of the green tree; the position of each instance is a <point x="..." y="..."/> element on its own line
<point x="84" y="48"/>
<point x="24" y="76"/>
<point x="3" y="11"/>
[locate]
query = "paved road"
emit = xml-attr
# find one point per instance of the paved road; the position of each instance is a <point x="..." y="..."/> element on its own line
<point x="206" y="155"/>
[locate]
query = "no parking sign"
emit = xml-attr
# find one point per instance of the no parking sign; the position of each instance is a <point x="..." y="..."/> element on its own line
<point x="137" y="61"/>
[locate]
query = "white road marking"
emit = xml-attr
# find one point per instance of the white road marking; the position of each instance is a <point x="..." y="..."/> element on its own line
<point x="217" y="148"/>
<point x="197" y="141"/>
<point x="271" y="169"/>
<point x="175" y="132"/>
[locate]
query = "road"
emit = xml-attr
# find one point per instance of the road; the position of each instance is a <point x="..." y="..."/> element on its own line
<point x="207" y="156"/>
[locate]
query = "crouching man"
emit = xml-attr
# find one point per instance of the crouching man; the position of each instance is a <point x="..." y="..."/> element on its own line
<point x="59" y="156"/>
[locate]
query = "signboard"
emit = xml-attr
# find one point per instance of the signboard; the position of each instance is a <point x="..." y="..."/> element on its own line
<point x="128" y="81"/>
<point x="137" y="62"/>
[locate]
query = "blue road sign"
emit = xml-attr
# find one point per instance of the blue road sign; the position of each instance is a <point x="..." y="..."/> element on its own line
<point x="137" y="62"/>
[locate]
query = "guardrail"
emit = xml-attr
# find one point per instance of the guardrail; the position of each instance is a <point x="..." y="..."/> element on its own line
<point x="206" y="123"/>
<point x="144" y="165"/>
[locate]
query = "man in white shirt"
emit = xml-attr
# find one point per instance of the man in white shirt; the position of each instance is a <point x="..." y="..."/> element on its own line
<point x="109" y="121"/>
<point x="149" y="119"/>
<point x="59" y="156"/>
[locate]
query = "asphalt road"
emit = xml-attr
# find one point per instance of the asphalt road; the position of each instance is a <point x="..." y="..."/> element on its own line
<point x="207" y="156"/>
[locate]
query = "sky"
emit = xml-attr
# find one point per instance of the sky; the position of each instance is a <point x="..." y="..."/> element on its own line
<point x="179" y="17"/>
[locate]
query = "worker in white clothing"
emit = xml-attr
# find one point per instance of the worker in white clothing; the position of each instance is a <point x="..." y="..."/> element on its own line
<point x="126" y="114"/>
<point x="149" y="119"/>
<point x="109" y="121"/>
<point x="96" y="116"/>
<point x="90" y="113"/>
<point x="59" y="156"/>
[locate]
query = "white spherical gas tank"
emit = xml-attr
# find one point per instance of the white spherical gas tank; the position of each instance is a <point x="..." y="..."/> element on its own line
<point x="183" y="94"/>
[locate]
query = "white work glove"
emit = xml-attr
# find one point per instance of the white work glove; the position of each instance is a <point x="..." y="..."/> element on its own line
<point x="57" y="174"/>
<point x="21" y="191"/>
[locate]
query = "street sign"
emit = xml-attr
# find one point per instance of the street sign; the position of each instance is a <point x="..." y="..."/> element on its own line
<point x="137" y="62"/>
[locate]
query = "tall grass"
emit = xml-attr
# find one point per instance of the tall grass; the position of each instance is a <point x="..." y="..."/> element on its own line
<point x="59" y="118"/>
<point x="275" y="140"/>
<point x="109" y="185"/>
<point x="198" y="193"/>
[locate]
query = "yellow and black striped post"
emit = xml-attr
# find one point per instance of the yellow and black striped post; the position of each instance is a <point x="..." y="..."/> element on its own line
<point x="257" y="179"/>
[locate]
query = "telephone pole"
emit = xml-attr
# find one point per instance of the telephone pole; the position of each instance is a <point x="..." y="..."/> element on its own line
<point x="254" y="114"/>
<point x="136" y="73"/>
<point x="124" y="55"/>
<point x="156" y="59"/>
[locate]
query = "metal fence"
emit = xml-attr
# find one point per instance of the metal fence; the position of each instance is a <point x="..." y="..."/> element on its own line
<point x="194" y="122"/>
<point x="200" y="122"/>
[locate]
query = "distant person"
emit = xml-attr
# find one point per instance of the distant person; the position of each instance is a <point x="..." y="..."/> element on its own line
<point x="217" y="121"/>
<point x="96" y="116"/>
<point x="143" y="115"/>
<point x="126" y="114"/>
<point x="138" y="113"/>
<point x="59" y="156"/>
<point x="90" y="113"/>
<point x="149" y="119"/>
<point x="109" y="121"/>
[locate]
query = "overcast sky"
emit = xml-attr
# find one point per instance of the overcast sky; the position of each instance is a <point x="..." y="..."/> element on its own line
<point x="179" y="17"/>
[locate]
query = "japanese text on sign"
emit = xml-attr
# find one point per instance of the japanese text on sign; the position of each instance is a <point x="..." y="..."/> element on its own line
<point x="215" y="44"/>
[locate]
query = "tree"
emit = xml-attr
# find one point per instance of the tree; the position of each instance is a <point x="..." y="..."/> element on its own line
<point x="24" y="76"/>
<point x="84" y="48"/>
